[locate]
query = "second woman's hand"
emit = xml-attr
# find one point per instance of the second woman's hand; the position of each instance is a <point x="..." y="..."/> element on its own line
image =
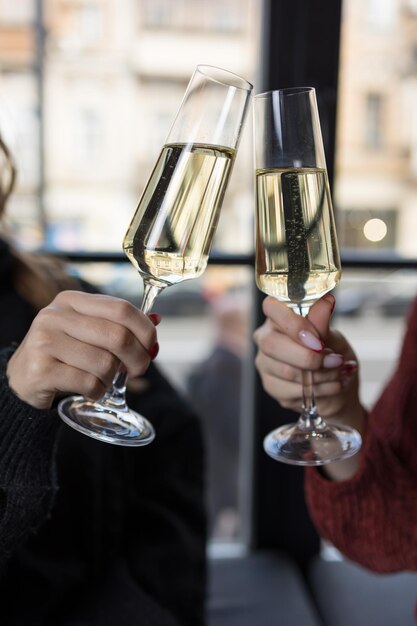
<point x="288" y="344"/>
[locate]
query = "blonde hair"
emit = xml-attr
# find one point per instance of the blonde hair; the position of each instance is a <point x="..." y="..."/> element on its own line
<point x="38" y="279"/>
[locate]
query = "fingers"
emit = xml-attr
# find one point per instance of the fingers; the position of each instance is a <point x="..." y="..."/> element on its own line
<point x="84" y="357"/>
<point x="289" y="344"/>
<point x="283" y="371"/>
<point x="320" y="314"/>
<point x="65" y="379"/>
<point x="76" y="345"/>
<point x="275" y="344"/>
<point x="107" y="323"/>
<point x="311" y="331"/>
<point x="289" y="393"/>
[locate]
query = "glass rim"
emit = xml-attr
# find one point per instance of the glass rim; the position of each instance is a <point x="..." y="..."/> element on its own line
<point x="209" y="71"/>
<point x="286" y="91"/>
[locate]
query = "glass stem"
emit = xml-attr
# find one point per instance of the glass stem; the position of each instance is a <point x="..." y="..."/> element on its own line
<point x="150" y="293"/>
<point x="309" y="417"/>
<point x="116" y="395"/>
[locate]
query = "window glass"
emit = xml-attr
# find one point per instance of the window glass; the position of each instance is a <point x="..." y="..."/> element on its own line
<point x="86" y="115"/>
<point x="103" y="111"/>
<point x="376" y="155"/>
<point x="19" y="12"/>
<point x="205" y="347"/>
<point x="371" y="310"/>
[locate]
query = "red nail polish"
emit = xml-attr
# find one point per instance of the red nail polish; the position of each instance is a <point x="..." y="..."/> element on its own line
<point x="349" y="367"/>
<point x="154" y="351"/>
<point x="347" y="371"/>
<point x="155" y="318"/>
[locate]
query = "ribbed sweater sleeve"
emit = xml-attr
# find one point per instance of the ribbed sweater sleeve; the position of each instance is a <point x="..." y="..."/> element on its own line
<point x="372" y="517"/>
<point x="27" y="478"/>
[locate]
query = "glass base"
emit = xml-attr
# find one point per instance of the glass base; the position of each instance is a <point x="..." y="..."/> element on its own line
<point x="301" y="446"/>
<point x="117" y="425"/>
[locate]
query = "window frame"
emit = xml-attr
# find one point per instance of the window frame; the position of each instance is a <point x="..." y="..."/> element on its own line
<point x="297" y="32"/>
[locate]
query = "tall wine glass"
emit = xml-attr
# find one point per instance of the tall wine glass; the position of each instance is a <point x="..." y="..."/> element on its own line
<point x="171" y="233"/>
<point x="297" y="256"/>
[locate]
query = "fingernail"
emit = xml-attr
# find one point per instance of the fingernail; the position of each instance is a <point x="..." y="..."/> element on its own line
<point x="332" y="360"/>
<point x="311" y="341"/>
<point x="154" y="351"/>
<point x="347" y="371"/>
<point x="155" y="318"/>
<point x="331" y="300"/>
<point x="349" y="367"/>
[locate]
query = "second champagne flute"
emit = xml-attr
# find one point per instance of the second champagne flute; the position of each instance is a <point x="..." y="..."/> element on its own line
<point x="170" y="236"/>
<point x="297" y="256"/>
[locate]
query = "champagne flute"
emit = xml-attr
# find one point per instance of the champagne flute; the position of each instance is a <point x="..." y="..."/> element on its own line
<point x="297" y="256"/>
<point x="171" y="233"/>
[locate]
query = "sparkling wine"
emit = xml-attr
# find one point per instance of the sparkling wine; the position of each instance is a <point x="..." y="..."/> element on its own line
<point x="171" y="233"/>
<point x="297" y="257"/>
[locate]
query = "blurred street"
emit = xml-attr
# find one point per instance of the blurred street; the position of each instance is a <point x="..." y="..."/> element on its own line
<point x="376" y="339"/>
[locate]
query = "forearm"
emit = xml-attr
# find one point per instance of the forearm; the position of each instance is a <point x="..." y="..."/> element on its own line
<point x="27" y="480"/>
<point x="365" y="516"/>
<point x="356" y="416"/>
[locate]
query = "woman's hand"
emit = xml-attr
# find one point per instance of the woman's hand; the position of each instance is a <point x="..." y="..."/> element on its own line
<point x="76" y="344"/>
<point x="289" y="343"/>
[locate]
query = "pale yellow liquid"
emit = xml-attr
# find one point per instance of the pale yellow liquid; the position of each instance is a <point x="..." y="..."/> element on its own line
<point x="171" y="233"/>
<point x="297" y="257"/>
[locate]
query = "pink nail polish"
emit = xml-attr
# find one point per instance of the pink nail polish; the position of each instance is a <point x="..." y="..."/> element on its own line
<point x="332" y="360"/>
<point x="311" y="341"/>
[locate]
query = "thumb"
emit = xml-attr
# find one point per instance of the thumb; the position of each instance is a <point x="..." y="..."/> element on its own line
<point x="320" y="313"/>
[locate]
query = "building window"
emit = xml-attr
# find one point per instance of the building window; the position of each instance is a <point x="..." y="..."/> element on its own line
<point x="381" y="15"/>
<point x="88" y="137"/>
<point x="159" y="13"/>
<point x="361" y="229"/>
<point x="91" y="24"/>
<point x="373" y="120"/>
<point x="20" y="12"/>
<point x="205" y="15"/>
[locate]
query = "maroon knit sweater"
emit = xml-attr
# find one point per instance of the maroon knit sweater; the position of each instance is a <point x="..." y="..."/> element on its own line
<point x="372" y="518"/>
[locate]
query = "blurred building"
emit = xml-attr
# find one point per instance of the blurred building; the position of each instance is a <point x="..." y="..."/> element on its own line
<point x="20" y="102"/>
<point x="89" y="89"/>
<point x="113" y="75"/>
<point x="376" y="169"/>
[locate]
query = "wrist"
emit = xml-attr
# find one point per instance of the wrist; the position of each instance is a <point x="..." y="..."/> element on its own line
<point x="356" y="417"/>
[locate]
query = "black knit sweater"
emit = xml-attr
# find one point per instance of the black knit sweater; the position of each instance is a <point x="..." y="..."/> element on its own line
<point x="93" y="534"/>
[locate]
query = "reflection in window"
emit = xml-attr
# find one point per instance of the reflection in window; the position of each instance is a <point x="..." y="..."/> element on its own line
<point x="159" y="101"/>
